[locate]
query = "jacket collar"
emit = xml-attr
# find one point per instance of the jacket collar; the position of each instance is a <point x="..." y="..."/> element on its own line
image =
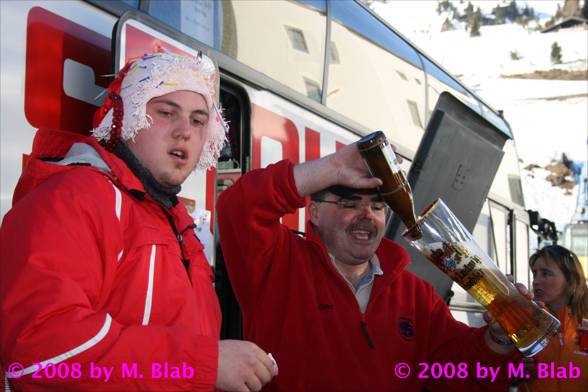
<point x="122" y="176"/>
<point x="50" y="146"/>
<point x="118" y="168"/>
<point x="53" y="143"/>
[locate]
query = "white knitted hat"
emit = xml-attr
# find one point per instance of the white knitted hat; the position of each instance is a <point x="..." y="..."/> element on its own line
<point x="123" y="113"/>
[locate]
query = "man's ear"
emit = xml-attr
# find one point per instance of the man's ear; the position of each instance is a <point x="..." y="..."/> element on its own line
<point x="313" y="212"/>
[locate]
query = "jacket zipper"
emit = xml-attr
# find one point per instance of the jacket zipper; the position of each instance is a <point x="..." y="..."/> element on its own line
<point x="363" y="322"/>
<point x="366" y="333"/>
<point x="180" y="239"/>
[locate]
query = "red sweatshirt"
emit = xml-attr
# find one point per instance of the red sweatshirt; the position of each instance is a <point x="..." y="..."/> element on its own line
<point x="298" y="307"/>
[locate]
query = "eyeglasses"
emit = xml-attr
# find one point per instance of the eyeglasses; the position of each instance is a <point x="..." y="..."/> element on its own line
<point x="375" y="206"/>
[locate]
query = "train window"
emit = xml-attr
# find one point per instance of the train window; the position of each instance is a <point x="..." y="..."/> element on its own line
<point x="313" y="90"/>
<point x="522" y="252"/>
<point x="440" y="81"/>
<point x="231" y="164"/>
<point x="360" y="21"/>
<point x="132" y="3"/>
<point x="116" y="7"/>
<point x="500" y="221"/>
<point x="495" y="120"/>
<point x="333" y="53"/>
<point x="318" y="4"/>
<point x="375" y="76"/>
<point x="403" y="76"/>
<point x="483" y="233"/>
<point x="198" y="19"/>
<point x="443" y="77"/>
<point x="230" y="158"/>
<point x="283" y="39"/>
<point x="414" y="112"/>
<point x="575" y="238"/>
<point x="297" y="39"/>
<point x="516" y="189"/>
<point x="506" y="183"/>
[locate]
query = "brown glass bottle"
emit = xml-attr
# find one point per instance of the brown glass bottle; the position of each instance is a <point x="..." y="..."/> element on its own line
<point x="395" y="189"/>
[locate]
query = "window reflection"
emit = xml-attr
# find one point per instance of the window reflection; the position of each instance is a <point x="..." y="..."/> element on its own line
<point x="499" y="220"/>
<point x="283" y="39"/>
<point x="370" y="83"/>
<point x="439" y="81"/>
<point x="333" y="53"/>
<point x="522" y="252"/>
<point x="198" y="19"/>
<point x="297" y="39"/>
<point x="313" y="89"/>
<point x="132" y="3"/>
<point x="414" y="113"/>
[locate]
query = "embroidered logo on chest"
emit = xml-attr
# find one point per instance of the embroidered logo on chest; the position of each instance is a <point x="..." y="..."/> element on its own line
<point x="406" y="328"/>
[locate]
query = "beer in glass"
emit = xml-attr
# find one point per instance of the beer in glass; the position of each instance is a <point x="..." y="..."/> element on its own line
<point x="450" y="246"/>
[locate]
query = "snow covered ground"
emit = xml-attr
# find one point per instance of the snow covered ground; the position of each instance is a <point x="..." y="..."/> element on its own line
<point x="548" y="117"/>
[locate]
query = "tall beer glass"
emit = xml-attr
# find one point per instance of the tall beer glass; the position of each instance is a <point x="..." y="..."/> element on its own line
<point x="450" y="246"/>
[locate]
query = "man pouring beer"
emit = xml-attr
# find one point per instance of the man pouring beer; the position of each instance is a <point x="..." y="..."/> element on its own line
<point x="337" y="308"/>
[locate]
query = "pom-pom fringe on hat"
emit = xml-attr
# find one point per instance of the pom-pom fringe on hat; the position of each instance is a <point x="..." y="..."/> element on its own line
<point x="123" y="113"/>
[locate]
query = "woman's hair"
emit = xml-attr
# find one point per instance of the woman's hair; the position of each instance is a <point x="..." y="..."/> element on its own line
<point x="570" y="266"/>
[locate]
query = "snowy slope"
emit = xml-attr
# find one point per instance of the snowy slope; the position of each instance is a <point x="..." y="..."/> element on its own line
<point x="548" y="117"/>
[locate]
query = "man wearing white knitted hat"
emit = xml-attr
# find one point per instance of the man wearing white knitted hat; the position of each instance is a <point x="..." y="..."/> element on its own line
<point x="102" y="279"/>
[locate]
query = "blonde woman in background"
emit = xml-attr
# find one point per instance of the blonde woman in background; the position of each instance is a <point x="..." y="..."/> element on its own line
<point x="559" y="282"/>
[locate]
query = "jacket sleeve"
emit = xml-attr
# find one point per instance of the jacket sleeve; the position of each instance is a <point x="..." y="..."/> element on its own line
<point x="457" y="344"/>
<point x="58" y="258"/>
<point x="251" y="234"/>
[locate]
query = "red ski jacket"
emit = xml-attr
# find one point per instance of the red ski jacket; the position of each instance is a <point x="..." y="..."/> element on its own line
<point x="298" y="307"/>
<point x="91" y="277"/>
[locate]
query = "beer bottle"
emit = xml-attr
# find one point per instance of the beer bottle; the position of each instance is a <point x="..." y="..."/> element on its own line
<point x="395" y="189"/>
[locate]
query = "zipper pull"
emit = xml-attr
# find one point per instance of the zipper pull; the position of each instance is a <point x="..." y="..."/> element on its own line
<point x="186" y="263"/>
<point x="366" y="333"/>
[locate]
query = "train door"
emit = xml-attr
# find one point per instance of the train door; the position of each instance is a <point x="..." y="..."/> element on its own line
<point x="233" y="162"/>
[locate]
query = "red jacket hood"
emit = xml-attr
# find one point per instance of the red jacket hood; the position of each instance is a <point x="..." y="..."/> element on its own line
<point x="52" y="145"/>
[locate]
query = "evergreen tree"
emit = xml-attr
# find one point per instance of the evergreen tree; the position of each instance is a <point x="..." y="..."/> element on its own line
<point x="475" y="24"/>
<point x="513" y="11"/>
<point x="529" y="12"/>
<point x="447" y="25"/>
<point x="499" y="14"/>
<point x="469" y="10"/>
<point x="555" y="53"/>
<point x="514" y="55"/>
<point x="444" y="5"/>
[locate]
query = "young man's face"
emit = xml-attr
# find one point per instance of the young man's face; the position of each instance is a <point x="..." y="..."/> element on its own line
<point x="171" y="147"/>
<point x="352" y="230"/>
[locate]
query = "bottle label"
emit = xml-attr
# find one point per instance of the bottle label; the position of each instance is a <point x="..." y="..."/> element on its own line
<point x="391" y="158"/>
